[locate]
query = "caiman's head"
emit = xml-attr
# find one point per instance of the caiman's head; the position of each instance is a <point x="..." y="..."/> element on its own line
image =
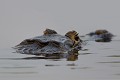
<point x="98" y="32"/>
<point x="49" y="31"/>
<point x="73" y="35"/>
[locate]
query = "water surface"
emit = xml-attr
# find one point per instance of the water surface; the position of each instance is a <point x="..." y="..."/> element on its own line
<point x="96" y="61"/>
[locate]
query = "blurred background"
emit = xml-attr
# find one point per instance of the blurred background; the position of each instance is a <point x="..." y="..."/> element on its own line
<point x="21" y="19"/>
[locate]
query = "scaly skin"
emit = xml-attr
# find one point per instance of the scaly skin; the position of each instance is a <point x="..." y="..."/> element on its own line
<point x="49" y="31"/>
<point x="50" y="42"/>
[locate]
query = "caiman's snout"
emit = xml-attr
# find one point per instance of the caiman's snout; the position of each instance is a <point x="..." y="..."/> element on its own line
<point x="73" y="35"/>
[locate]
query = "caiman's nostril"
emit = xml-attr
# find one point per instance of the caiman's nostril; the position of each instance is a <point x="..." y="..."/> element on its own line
<point x="76" y="38"/>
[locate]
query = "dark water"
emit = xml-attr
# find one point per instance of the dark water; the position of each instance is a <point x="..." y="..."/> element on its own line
<point x="97" y="61"/>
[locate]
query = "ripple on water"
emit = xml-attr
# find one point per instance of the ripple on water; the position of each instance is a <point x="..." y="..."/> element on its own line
<point x="114" y="56"/>
<point x="85" y="53"/>
<point x="51" y="65"/>
<point x="81" y="68"/>
<point x="18" y="72"/>
<point x="110" y="62"/>
<point x="117" y="74"/>
<point x="16" y="67"/>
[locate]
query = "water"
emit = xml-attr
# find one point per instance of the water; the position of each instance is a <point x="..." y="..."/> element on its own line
<point x="21" y="19"/>
<point x="97" y="61"/>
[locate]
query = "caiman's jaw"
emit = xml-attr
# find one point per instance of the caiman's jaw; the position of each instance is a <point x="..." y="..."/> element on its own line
<point x="73" y="35"/>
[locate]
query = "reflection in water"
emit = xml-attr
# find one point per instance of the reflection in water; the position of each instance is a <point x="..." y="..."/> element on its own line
<point x="81" y="68"/>
<point x="118" y="74"/>
<point x="85" y="53"/>
<point x="69" y="56"/>
<point x="114" y="56"/>
<point x="53" y="57"/>
<point x="111" y="62"/>
<point x="51" y="65"/>
<point x="72" y="57"/>
<point x="73" y="64"/>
